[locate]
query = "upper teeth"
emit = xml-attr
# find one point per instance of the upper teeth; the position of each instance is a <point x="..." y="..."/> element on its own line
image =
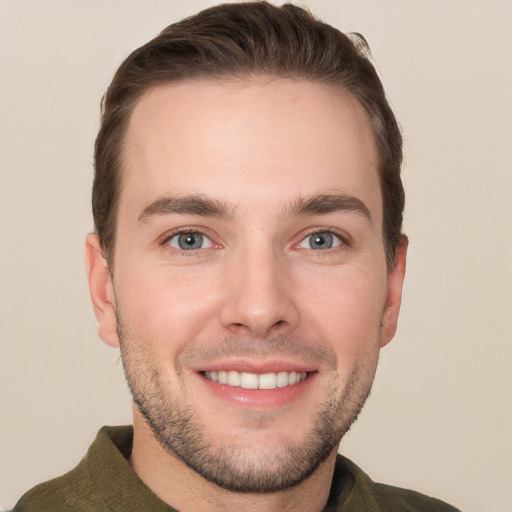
<point x="256" y="381"/>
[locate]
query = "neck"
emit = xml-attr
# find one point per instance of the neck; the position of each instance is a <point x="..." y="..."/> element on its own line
<point x="185" y="490"/>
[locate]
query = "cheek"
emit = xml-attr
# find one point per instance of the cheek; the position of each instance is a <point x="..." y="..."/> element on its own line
<point x="168" y="307"/>
<point x="346" y="310"/>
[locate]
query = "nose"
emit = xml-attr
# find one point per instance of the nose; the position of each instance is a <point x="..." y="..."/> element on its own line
<point x="259" y="295"/>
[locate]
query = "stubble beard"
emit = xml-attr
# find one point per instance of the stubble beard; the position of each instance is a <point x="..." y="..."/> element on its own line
<point x="231" y="466"/>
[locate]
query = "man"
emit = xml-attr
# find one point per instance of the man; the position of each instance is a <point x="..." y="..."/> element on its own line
<point x="248" y="260"/>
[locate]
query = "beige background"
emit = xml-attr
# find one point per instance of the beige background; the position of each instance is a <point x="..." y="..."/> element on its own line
<point x="440" y="418"/>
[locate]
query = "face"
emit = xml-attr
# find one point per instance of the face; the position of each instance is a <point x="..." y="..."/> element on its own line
<point x="249" y="293"/>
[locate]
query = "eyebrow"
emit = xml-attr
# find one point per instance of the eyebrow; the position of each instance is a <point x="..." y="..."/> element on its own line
<point x="320" y="204"/>
<point x="185" y="205"/>
<point x="323" y="204"/>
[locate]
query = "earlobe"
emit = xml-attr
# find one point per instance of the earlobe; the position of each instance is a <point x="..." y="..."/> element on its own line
<point x="101" y="289"/>
<point x="394" y="294"/>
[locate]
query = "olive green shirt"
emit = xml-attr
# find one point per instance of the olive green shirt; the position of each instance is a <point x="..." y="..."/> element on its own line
<point x="105" y="482"/>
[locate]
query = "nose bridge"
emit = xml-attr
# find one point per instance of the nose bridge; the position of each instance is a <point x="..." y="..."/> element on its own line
<point x="259" y="296"/>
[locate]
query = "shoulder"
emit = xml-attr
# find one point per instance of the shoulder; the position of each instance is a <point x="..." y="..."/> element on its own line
<point x="67" y="493"/>
<point x="83" y="488"/>
<point x="365" y="494"/>
<point x="410" y="501"/>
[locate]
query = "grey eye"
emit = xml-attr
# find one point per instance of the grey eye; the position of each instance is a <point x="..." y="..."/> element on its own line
<point x="189" y="241"/>
<point x="321" y="241"/>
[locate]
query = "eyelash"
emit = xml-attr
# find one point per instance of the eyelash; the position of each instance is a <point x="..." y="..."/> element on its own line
<point x="342" y="237"/>
<point x="184" y="231"/>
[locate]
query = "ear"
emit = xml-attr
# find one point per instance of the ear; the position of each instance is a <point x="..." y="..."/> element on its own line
<point x="394" y="295"/>
<point x="102" y="291"/>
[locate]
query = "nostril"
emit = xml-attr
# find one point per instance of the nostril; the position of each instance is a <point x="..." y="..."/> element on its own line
<point x="239" y="328"/>
<point x="278" y="326"/>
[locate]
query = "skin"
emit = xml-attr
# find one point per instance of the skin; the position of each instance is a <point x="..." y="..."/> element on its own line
<point x="257" y="295"/>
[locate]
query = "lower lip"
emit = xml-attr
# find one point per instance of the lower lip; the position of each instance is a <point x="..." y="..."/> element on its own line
<point x="259" y="398"/>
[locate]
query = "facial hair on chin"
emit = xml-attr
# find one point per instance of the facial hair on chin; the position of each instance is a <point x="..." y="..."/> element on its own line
<point x="228" y="465"/>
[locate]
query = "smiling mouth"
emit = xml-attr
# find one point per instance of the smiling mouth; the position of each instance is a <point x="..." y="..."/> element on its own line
<point x="255" y="380"/>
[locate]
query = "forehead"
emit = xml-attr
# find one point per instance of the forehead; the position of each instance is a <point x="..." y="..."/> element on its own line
<point x="248" y="141"/>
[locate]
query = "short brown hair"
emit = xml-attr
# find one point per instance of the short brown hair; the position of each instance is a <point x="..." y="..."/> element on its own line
<point x="243" y="40"/>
